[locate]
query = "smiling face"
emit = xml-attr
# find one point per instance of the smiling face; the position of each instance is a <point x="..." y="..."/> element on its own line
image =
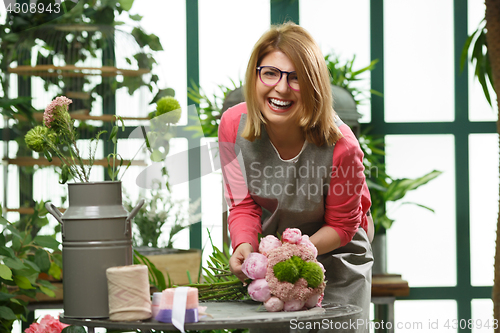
<point x="278" y="104"/>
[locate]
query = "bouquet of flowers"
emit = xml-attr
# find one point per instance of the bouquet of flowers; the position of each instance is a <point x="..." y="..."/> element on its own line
<point x="48" y="324"/>
<point x="58" y="137"/>
<point x="286" y="275"/>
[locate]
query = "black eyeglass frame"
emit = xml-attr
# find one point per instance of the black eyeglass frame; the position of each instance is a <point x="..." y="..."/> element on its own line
<point x="281" y="76"/>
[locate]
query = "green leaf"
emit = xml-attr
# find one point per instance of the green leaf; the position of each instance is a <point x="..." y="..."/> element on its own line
<point x="47" y="291"/>
<point x="5" y="296"/>
<point x="113" y="134"/>
<point x="140" y="36"/>
<point x="136" y="17"/>
<point x="55" y="271"/>
<point x="8" y="252"/>
<point x="14" y="263"/>
<point x="16" y="233"/>
<point x="399" y="187"/>
<point x="23" y="282"/>
<point x="126" y="4"/>
<point x="34" y="267"/>
<point x="418" y="205"/>
<point x="16" y="244"/>
<point x="47" y="241"/>
<point x="3" y="221"/>
<point x="65" y="173"/>
<point x="5" y="272"/>
<point x="154" y="43"/>
<point x="7" y="313"/>
<point x="42" y="260"/>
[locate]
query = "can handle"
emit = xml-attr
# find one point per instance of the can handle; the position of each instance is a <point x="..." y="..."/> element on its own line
<point x="54" y="211"/>
<point x="132" y="214"/>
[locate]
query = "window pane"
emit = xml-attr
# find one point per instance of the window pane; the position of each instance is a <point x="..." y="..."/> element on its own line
<point x="483" y="183"/>
<point x="342" y="27"/>
<point x="482" y="314"/>
<point x="418" y="237"/>
<point x="167" y="20"/>
<point x="425" y="316"/>
<point x="419" y="79"/>
<point x="227" y="38"/>
<point x="211" y="193"/>
<point x="479" y="109"/>
<point x="180" y="192"/>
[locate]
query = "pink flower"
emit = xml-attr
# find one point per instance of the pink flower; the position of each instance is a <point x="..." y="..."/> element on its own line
<point x="292" y="235"/>
<point x="274" y="304"/>
<point x="313" y="301"/>
<point x="293" y="305"/>
<point x="304" y="241"/>
<point x="268" y="243"/>
<point x="48" y="324"/>
<point x="55" y="111"/>
<point x="255" y="266"/>
<point x="259" y="290"/>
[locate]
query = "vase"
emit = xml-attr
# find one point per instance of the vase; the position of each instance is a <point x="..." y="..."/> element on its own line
<point x="96" y="234"/>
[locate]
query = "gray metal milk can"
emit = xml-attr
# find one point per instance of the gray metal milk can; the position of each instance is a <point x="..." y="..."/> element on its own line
<point x="96" y="235"/>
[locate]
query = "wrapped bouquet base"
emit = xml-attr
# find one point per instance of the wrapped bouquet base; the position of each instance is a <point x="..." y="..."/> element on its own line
<point x="286" y="275"/>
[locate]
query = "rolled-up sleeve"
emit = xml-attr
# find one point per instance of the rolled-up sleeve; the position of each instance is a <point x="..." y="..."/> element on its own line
<point x="244" y="214"/>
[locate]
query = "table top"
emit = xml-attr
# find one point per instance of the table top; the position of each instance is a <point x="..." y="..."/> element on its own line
<point x="232" y="315"/>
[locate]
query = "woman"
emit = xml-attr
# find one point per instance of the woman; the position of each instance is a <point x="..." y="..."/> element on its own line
<point x="290" y="162"/>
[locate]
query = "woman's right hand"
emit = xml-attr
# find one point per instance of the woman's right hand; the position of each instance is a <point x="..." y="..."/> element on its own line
<point x="237" y="259"/>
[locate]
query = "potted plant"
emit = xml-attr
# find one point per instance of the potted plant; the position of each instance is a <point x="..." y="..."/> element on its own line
<point x="26" y="261"/>
<point x="162" y="214"/>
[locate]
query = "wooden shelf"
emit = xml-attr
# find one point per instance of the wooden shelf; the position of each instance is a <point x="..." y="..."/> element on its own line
<point x="389" y="285"/>
<point x="78" y="95"/>
<point x="75" y="71"/>
<point x="26" y="210"/>
<point x="42" y="298"/>
<point x="84" y="115"/>
<point x="31" y="161"/>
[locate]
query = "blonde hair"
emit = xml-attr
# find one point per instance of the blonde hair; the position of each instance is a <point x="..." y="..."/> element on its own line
<point x="316" y="117"/>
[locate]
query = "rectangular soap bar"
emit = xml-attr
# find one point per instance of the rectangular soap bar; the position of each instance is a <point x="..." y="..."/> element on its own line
<point x="167" y="304"/>
<point x="167" y="298"/>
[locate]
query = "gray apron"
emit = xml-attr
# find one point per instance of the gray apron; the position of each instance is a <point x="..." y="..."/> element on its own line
<point x="292" y="195"/>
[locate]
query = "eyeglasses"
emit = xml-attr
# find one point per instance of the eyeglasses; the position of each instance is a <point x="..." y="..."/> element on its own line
<point x="271" y="76"/>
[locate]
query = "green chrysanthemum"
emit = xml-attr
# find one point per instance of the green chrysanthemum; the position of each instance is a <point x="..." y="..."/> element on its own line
<point x="35" y="138"/>
<point x="286" y="271"/>
<point x="312" y="273"/>
<point x="170" y="108"/>
<point x="294" y="268"/>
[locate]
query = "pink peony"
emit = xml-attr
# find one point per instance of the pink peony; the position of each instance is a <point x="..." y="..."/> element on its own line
<point x="313" y="301"/>
<point x="304" y="241"/>
<point x="259" y="290"/>
<point x="322" y="267"/>
<point x="48" y="324"/>
<point x="293" y="305"/>
<point x="268" y="243"/>
<point x="255" y="266"/>
<point x="274" y="304"/>
<point x="292" y="235"/>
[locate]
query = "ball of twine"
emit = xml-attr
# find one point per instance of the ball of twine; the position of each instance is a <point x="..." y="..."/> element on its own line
<point x="128" y="293"/>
